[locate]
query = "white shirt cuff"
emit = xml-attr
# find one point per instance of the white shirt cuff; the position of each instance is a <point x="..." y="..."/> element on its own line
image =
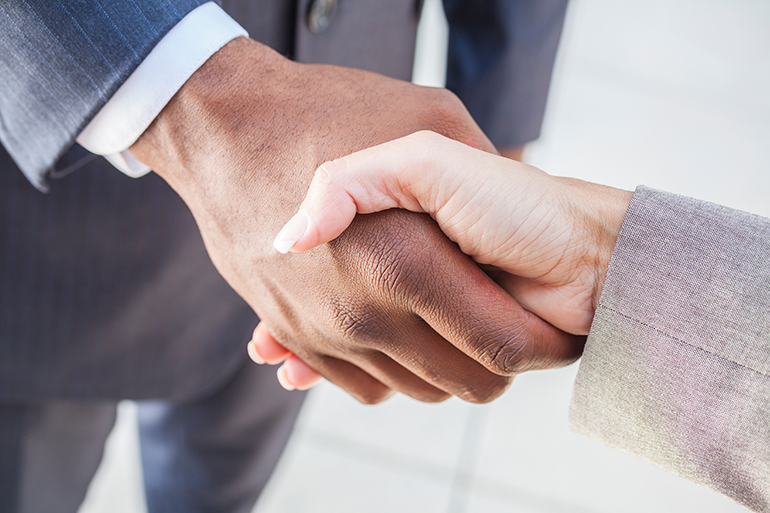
<point x="137" y="102"/>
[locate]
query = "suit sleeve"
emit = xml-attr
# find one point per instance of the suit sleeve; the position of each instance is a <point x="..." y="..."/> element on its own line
<point x="61" y="61"/>
<point x="500" y="60"/>
<point x="676" y="370"/>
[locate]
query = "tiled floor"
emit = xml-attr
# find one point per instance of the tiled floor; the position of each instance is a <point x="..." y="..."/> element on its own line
<point x="674" y="94"/>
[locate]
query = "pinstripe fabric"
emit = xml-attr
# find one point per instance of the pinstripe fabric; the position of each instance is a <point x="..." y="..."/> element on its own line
<point x="61" y="60"/>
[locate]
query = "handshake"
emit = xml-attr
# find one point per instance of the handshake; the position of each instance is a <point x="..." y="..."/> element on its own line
<point x="502" y="279"/>
<point x="546" y="241"/>
<point x="467" y="268"/>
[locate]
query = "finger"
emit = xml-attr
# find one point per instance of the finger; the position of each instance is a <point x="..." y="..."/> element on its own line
<point x="568" y="307"/>
<point x="264" y="348"/>
<point x="298" y="374"/>
<point x="401" y="379"/>
<point x="253" y="352"/>
<point x="372" y="367"/>
<point x="352" y="379"/>
<point x="485" y="322"/>
<point x="441" y="366"/>
<point x="447" y="368"/>
<point x="404" y="173"/>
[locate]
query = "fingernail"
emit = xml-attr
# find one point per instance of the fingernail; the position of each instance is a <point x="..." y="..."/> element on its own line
<point x="251" y="348"/>
<point x="291" y="233"/>
<point x="311" y="385"/>
<point x="282" y="379"/>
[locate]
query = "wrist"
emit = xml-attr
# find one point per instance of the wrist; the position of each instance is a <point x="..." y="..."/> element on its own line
<point x="599" y="211"/>
<point x="222" y="105"/>
<point x="609" y="207"/>
<point x="218" y="144"/>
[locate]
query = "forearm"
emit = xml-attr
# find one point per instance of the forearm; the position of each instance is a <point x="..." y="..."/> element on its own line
<point x="675" y="368"/>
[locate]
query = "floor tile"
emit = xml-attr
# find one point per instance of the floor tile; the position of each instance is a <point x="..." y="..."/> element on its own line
<point x="318" y="478"/>
<point x="427" y="433"/>
<point x="491" y="500"/>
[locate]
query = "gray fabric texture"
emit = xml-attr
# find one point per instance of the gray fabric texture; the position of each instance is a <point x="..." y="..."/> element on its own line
<point x="216" y="454"/>
<point x="394" y="25"/>
<point x="107" y="292"/>
<point x="676" y="369"/>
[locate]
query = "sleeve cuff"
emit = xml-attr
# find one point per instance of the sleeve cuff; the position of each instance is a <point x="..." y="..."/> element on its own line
<point x="155" y="81"/>
<point x="675" y="370"/>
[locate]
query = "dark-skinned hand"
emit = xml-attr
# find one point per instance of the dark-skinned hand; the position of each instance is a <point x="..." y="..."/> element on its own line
<point x="392" y="304"/>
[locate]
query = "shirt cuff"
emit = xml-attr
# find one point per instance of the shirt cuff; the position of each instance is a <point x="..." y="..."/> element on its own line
<point x="134" y="106"/>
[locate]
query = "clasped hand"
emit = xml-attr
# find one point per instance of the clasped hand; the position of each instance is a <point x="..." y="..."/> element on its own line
<point x="390" y="305"/>
<point x="548" y="239"/>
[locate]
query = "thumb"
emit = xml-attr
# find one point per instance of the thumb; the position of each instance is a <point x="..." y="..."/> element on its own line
<point x="371" y="180"/>
<point x="328" y="208"/>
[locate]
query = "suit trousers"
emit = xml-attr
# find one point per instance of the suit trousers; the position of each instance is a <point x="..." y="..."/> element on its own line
<point x="211" y="454"/>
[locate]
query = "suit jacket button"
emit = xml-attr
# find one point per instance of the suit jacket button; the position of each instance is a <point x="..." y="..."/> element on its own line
<point x="320" y="15"/>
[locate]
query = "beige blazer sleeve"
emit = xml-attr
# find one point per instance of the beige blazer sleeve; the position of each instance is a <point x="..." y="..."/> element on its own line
<point x="676" y="370"/>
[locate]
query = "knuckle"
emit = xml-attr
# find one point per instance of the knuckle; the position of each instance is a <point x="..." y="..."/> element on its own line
<point x="446" y="101"/>
<point x="507" y="353"/>
<point x="362" y="324"/>
<point x="392" y="252"/>
<point x="426" y="137"/>
<point x="326" y="172"/>
<point x="392" y="272"/>
<point x="446" y="111"/>
<point x="399" y="262"/>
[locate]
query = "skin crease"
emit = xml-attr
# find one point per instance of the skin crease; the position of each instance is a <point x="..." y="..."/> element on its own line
<point x="547" y="240"/>
<point x="392" y="304"/>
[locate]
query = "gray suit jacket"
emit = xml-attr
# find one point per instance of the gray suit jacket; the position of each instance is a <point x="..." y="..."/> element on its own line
<point x="677" y="366"/>
<point x="105" y="286"/>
